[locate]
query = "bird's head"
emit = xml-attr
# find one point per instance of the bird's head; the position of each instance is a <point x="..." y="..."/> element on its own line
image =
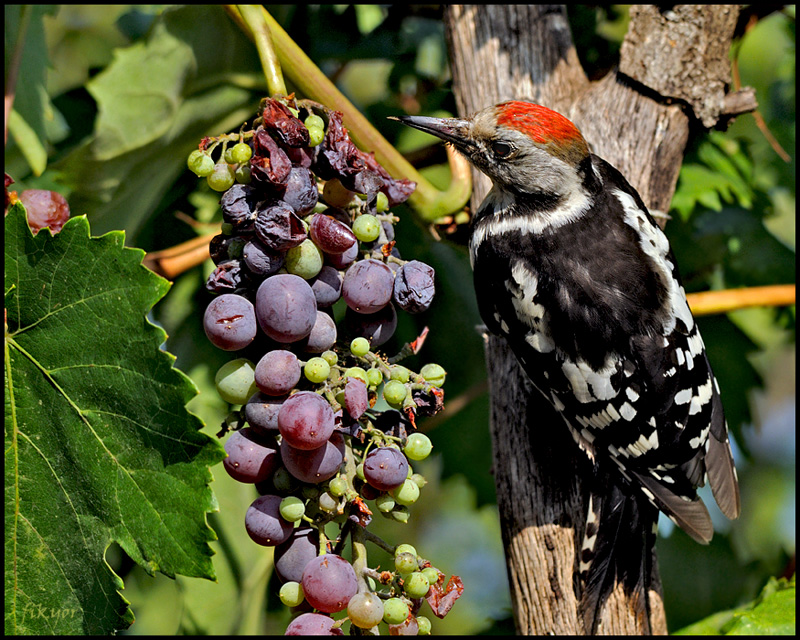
<point x="521" y="146"/>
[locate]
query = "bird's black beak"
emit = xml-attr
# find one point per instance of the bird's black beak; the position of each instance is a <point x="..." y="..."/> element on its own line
<point x="453" y="130"/>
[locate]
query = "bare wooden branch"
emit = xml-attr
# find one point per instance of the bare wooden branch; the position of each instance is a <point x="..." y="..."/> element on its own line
<point x="681" y="52"/>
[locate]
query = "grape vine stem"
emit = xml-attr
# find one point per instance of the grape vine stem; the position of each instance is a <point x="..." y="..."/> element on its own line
<point x="428" y="202"/>
<point x="260" y="32"/>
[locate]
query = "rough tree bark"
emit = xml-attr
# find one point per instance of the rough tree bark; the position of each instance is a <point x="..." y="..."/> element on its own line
<point x="673" y="73"/>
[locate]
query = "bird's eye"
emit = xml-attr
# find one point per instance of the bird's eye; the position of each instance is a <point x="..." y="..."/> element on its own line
<point x="501" y="149"/>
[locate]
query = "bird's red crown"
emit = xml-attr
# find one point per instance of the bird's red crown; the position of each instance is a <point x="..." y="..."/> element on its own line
<point x="543" y="125"/>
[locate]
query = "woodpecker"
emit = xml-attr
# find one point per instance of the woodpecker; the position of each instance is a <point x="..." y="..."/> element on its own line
<point x="571" y="269"/>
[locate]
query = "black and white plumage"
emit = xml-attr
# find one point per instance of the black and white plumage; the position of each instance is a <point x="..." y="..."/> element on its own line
<point x="572" y="270"/>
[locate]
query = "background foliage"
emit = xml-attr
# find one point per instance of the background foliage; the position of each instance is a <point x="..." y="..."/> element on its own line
<point x="110" y="101"/>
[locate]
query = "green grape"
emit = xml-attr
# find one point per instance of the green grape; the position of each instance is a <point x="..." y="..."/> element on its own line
<point x="394" y="392"/>
<point x="338" y="486"/>
<point x="291" y="594"/>
<point x="365" y="610"/>
<point x="313" y="120"/>
<point x="200" y="163"/>
<point x="424" y="626"/>
<point x="407" y="493"/>
<point x="367" y="228"/>
<point x="418" y="446"/>
<point x="205" y="167"/>
<point x="433" y="373"/>
<point x="317" y="370"/>
<point x="292" y="508"/>
<point x="222" y="178"/>
<point x="401" y="514"/>
<point x="330" y="357"/>
<point x="315" y="136"/>
<point x="336" y="195"/>
<point x="375" y="377"/>
<point x="304" y="260"/>
<point x="395" y="611"/>
<point x="382" y="202"/>
<point x="359" y="347"/>
<point x="228" y="156"/>
<point x="194" y="156"/>
<point x="419" y="479"/>
<point x="432" y="574"/>
<point x="241" y="152"/>
<point x="405" y="548"/>
<point x="416" y="585"/>
<point x="327" y="502"/>
<point x="357" y="372"/>
<point x="243" y="175"/>
<point x="360" y="470"/>
<point x="235" y="381"/>
<point x="400" y="373"/>
<point x="385" y="503"/>
<point x="405" y="563"/>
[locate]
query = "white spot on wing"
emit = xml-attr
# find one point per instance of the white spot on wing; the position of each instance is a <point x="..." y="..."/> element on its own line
<point x="627" y="412"/>
<point x="683" y="396"/>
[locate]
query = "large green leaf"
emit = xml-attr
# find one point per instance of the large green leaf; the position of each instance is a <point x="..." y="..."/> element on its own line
<point x="99" y="445"/>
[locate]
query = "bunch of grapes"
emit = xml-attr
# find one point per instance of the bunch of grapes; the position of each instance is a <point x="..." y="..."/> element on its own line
<point x="306" y="223"/>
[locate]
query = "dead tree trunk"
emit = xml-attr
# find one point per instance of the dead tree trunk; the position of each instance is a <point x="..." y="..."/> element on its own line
<point x="674" y="71"/>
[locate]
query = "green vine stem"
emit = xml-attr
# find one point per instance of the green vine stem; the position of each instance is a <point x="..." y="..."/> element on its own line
<point x="260" y="32"/>
<point x="428" y="202"/>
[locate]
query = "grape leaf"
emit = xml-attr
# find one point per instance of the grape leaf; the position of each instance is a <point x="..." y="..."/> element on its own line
<point x="99" y="445"/>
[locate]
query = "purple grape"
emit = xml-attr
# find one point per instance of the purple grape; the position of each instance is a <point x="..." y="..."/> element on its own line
<point x="292" y="556"/>
<point x="356" y="399"/>
<point x="261" y="412"/>
<point x="317" y="465"/>
<point x="367" y="286"/>
<point x="343" y="260"/>
<point x="414" y="287"/>
<point x="279" y="228"/>
<point x="285" y="307"/>
<point x="323" y="334"/>
<point x="306" y="420"/>
<point x="238" y="206"/>
<point x="375" y="327"/>
<point x="312" y="624"/>
<point x="385" y="468"/>
<point x="264" y="523"/>
<point x="230" y="322"/>
<point x="227" y="277"/>
<point x="251" y="458"/>
<point x="260" y="260"/>
<point x="301" y="191"/>
<point x="223" y="248"/>
<point x="327" y="286"/>
<point x="269" y="166"/>
<point x="277" y="372"/>
<point x="329" y="581"/>
<point x="330" y="235"/>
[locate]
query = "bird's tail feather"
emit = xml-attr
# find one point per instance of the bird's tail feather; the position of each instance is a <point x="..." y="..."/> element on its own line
<point x="617" y="547"/>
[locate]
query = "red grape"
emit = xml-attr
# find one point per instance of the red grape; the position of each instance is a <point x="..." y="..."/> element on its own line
<point x="329" y="582"/>
<point x="306" y="420"/>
